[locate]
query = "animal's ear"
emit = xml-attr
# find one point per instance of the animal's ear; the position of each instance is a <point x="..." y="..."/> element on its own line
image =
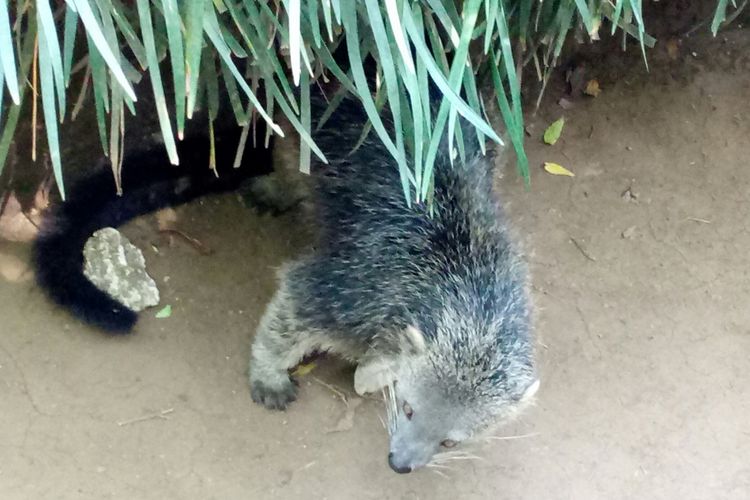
<point x="530" y="391"/>
<point x="415" y="340"/>
<point x="374" y="373"/>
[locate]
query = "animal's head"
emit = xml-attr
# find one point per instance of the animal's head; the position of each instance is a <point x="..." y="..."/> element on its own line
<point x="447" y="389"/>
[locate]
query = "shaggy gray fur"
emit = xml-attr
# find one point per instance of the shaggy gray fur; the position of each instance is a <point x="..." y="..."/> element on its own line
<point x="433" y="308"/>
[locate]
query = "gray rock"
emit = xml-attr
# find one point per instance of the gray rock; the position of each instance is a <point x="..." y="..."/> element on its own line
<point x="117" y="267"/>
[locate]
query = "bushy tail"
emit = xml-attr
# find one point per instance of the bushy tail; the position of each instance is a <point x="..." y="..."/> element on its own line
<point x="149" y="183"/>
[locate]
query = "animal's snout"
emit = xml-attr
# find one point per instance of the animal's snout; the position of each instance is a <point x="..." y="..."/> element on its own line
<point x="401" y="469"/>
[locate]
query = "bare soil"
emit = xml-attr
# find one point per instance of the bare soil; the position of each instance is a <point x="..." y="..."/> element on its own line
<point x="641" y="281"/>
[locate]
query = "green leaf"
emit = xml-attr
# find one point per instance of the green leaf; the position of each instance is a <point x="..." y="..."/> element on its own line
<point x="211" y="79"/>
<point x="117" y="11"/>
<point x="391" y="83"/>
<point x="719" y="16"/>
<point x="26" y="56"/>
<point x="47" y="79"/>
<point x="172" y="21"/>
<point x="304" y="149"/>
<point x="69" y="42"/>
<point x="164" y="312"/>
<point x="295" y="43"/>
<point x="193" y="49"/>
<point x="94" y="30"/>
<point x="234" y="95"/>
<point x="211" y="27"/>
<point x="147" y="30"/>
<point x="586" y="16"/>
<point x="8" y="61"/>
<point x="327" y="18"/>
<point x="101" y="92"/>
<point x="50" y="44"/>
<point x="349" y="19"/>
<point x="552" y="134"/>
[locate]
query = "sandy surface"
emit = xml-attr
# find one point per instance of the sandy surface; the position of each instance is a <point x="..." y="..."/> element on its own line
<point x="643" y="327"/>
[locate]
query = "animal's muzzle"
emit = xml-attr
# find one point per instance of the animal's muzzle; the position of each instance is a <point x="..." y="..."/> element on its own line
<point x="401" y="469"/>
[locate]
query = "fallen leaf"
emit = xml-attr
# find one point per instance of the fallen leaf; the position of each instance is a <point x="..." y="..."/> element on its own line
<point x="576" y="78"/>
<point x="13" y="269"/>
<point x="303" y="369"/>
<point x="165" y="218"/>
<point x="629" y="195"/>
<point x="592" y="88"/>
<point x="673" y="48"/>
<point x="164" y="312"/>
<point x="552" y="134"/>
<point x="555" y="169"/>
<point x="14" y="224"/>
<point x="628" y="233"/>
<point x="41" y="197"/>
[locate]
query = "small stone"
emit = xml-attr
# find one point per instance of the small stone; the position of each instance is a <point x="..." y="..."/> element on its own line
<point x="565" y="103"/>
<point x="629" y="233"/>
<point x="629" y="195"/>
<point x="118" y="268"/>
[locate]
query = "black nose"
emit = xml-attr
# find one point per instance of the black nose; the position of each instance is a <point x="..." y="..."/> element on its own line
<point x="400" y="470"/>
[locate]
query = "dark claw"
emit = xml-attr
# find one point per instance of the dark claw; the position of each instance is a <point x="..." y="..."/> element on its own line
<point x="274" y="398"/>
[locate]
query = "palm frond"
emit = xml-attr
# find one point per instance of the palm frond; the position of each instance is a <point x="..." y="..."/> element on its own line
<point x="210" y="46"/>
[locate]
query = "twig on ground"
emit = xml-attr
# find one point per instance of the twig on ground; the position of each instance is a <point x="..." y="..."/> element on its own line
<point x="161" y="415"/>
<point x="338" y="392"/>
<point x="582" y="250"/>
<point x="195" y="243"/>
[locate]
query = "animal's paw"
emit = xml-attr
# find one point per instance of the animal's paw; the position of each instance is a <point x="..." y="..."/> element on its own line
<point x="274" y="397"/>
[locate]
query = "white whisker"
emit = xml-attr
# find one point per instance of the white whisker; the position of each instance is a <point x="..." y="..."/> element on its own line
<point x="461" y="453"/>
<point x="382" y="422"/>
<point x="439" y="473"/>
<point x="509" y="438"/>
<point x="459" y="457"/>
<point x="438" y="466"/>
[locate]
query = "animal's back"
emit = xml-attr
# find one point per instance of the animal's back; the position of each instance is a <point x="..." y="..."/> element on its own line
<point x="383" y="264"/>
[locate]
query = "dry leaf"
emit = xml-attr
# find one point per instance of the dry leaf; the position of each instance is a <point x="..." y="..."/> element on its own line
<point x="14" y="224"/>
<point x="165" y="218"/>
<point x="592" y="88"/>
<point x="555" y="169"/>
<point x="13" y="269"/>
<point x="41" y="197"/>
<point x="303" y="369"/>
<point x="673" y="48"/>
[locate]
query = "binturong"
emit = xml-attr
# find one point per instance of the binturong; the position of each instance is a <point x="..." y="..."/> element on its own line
<point x="432" y="304"/>
<point x="430" y="301"/>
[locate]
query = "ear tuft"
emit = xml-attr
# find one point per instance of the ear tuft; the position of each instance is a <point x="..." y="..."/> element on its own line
<point x="416" y="338"/>
<point x="373" y="374"/>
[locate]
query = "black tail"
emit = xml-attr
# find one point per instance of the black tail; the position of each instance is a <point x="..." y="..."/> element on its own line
<point x="149" y="183"/>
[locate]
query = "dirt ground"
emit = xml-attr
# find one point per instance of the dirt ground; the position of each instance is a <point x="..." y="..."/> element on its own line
<point x="641" y="281"/>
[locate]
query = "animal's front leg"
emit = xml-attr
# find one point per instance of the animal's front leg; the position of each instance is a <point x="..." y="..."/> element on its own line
<point x="279" y="345"/>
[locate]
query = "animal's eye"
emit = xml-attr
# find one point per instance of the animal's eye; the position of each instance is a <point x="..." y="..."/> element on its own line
<point x="448" y="443"/>
<point x="408" y="411"/>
